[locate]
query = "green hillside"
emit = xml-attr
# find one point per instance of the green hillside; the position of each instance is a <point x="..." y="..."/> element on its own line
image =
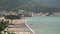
<point x="28" y="5"/>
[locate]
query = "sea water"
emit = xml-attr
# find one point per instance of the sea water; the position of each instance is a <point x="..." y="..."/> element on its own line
<point x="45" y="24"/>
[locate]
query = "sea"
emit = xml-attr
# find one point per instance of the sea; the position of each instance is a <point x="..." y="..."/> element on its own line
<point x="45" y="24"/>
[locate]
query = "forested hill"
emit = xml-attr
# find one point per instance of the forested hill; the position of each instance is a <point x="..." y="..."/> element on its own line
<point x="31" y="5"/>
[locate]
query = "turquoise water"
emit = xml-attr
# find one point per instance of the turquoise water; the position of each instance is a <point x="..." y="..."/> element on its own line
<point x="45" y="25"/>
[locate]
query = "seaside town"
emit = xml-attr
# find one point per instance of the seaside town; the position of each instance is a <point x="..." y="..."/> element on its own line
<point x="29" y="16"/>
<point x="14" y="22"/>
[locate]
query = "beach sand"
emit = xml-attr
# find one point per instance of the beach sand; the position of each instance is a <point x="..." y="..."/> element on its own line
<point x="18" y="26"/>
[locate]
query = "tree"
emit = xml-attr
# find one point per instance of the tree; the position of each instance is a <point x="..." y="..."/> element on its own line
<point x="3" y="24"/>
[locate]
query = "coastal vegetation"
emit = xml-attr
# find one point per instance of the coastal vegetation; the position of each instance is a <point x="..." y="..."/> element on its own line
<point x="11" y="33"/>
<point x="0" y="33"/>
<point x="12" y="17"/>
<point x="3" y="24"/>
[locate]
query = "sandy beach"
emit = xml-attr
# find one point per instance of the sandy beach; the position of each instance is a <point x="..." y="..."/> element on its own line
<point x="18" y="26"/>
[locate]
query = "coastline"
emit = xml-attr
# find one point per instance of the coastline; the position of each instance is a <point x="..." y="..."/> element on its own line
<point x="28" y="26"/>
<point x="19" y="23"/>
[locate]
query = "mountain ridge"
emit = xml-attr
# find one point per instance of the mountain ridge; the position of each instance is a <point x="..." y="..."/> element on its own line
<point x="29" y="5"/>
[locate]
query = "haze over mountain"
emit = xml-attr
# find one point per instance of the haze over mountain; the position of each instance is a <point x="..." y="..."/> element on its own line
<point x="55" y="3"/>
<point x="32" y="5"/>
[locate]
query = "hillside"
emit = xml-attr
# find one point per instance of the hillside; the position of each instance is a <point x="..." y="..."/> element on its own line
<point x="30" y="5"/>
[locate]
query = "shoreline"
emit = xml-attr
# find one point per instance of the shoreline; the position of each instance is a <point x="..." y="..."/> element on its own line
<point x="28" y="26"/>
<point x="19" y="23"/>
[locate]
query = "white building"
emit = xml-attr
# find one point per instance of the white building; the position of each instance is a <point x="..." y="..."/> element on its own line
<point x="56" y="14"/>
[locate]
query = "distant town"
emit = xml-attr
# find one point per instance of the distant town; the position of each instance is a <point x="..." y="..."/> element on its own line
<point x="13" y="22"/>
<point x="23" y="13"/>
